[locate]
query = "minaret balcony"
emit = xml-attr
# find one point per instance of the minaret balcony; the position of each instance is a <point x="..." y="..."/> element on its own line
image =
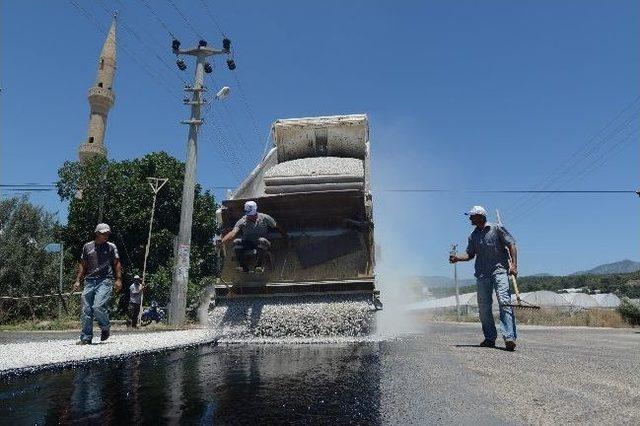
<point x="101" y="96"/>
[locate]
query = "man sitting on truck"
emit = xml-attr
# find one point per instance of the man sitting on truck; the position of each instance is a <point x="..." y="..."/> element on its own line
<point x="253" y="227"/>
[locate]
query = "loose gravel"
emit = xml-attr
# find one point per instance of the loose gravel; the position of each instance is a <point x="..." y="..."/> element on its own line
<point x="18" y="357"/>
<point x="318" y="166"/>
<point x="293" y="318"/>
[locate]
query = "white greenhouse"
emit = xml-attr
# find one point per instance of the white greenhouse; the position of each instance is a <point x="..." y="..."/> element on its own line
<point x="543" y="298"/>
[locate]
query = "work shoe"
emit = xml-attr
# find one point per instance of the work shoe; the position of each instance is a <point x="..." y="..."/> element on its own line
<point x="510" y="345"/>
<point x="104" y="335"/>
<point x="83" y="342"/>
<point x="486" y="343"/>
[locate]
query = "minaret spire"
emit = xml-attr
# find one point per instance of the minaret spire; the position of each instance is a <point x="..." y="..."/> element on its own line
<point x="101" y="98"/>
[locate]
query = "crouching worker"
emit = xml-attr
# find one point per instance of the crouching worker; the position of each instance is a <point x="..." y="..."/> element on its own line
<point x="99" y="263"/>
<point x="252" y="228"/>
<point x="492" y="246"/>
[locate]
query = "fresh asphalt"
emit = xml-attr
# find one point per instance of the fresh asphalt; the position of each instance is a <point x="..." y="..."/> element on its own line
<point x="437" y="375"/>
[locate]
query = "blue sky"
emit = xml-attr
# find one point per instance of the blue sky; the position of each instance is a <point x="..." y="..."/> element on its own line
<point x="462" y="95"/>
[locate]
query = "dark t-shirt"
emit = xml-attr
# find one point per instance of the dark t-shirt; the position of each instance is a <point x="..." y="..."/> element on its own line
<point x="489" y="246"/>
<point x="99" y="259"/>
<point x="251" y="231"/>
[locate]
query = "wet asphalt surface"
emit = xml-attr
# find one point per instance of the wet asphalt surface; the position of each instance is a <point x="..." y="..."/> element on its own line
<point x="439" y="375"/>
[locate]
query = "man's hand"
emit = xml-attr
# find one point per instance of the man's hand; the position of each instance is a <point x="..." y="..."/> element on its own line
<point x="76" y="286"/>
<point x="117" y="284"/>
<point x="453" y="258"/>
<point x="513" y="270"/>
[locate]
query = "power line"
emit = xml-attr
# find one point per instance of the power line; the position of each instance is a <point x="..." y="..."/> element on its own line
<point x="131" y="31"/>
<point x="247" y="106"/>
<point x="602" y="160"/>
<point x="585" y="151"/>
<point x="155" y="15"/>
<point x="597" y="162"/>
<point x="184" y="18"/>
<point x="102" y="30"/>
<point x="516" y="191"/>
<point x="215" y="21"/>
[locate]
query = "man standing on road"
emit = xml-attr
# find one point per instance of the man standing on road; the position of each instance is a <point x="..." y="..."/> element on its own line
<point x="492" y="246"/>
<point x="135" y="299"/>
<point x="99" y="262"/>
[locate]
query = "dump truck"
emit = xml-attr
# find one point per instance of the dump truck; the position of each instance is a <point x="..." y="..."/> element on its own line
<point x="315" y="182"/>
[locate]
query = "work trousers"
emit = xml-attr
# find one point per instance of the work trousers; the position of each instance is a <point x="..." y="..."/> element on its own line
<point x="134" y="313"/>
<point x="95" y="300"/>
<point x="497" y="282"/>
<point x="241" y="246"/>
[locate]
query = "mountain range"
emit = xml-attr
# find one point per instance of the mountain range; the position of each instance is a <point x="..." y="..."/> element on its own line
<point x="621" y="267"/>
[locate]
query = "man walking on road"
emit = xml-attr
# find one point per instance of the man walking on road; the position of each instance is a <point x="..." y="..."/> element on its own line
<point x="492" y="246"/>
<point x="135" y="299"/>
<point x="99" y="263"/>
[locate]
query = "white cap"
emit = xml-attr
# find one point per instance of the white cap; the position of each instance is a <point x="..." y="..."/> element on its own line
<point x="136" y="277"/>
<point x="250" y="208"/>
<point x="102" y="228"/>
<point x="477" y="210"/>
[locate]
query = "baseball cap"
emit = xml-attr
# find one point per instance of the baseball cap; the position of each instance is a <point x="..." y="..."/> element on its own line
<point x="136" y="277"/>
<point x="477" y="210"/>
<point x="250" y="208"/>
<point x="102" y="228"/>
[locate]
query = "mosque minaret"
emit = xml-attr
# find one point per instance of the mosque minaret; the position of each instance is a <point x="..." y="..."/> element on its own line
<point x="101" y="99"/>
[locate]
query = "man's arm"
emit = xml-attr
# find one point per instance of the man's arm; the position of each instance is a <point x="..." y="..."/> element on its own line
<point x="510" y="242"/>
<point x="513" y="264"/>
<point x="230" y="235"/>
<point x="469" y="253"/>
<point x="82" y="268"/>
<point x="461" y="257"/>
<point x="117" y="267"/>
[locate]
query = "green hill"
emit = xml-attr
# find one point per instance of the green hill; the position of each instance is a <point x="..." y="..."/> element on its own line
<point x="621" y="284"/>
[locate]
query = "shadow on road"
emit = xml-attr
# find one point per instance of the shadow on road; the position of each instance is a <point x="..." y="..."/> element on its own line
<point x="478" y="346"/>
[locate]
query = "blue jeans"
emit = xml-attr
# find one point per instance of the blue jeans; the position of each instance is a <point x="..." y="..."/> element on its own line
<point x="498" y="282"/>
<point x="95" y="299"/>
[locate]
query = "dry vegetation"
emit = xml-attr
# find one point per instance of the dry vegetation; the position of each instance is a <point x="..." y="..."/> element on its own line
<point x="545" y="316"/>
<point x="586" y="317"/>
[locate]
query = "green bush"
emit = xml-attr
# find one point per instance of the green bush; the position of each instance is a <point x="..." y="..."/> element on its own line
<point x="630" y="312"/>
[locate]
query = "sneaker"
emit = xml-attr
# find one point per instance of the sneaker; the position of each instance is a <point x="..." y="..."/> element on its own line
<point x="260" y="269"/>
<point x="104" y="335"/>
<point x="486" y="343"/>
<point x="510" y="345"/>
<point x="83" y="342"/>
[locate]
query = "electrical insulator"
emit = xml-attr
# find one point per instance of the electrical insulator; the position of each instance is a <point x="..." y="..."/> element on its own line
<point x="226" y="44"/>
<point x="175" y="45"/>
<point x="208" y="68"/>
<point x="231" y="64"/>
<point x="181" y="65"/>
<point x="186" y="100"/>
<point x="202" y="43"/>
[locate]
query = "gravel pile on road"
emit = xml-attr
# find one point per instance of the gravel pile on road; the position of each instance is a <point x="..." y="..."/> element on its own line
<point x="16" y="357"/>
<point x="318" y="166"/>
<point x="292" y="318"/>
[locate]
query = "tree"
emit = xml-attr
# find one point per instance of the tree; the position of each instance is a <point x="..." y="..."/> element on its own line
<point x="126" y="208"/>
<point x="26" y="269"/>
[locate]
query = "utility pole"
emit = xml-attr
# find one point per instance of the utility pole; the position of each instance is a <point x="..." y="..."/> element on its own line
<point x="156" y="184"/>
<point x="181" y="269"/>
<point x="455" y="280"/>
